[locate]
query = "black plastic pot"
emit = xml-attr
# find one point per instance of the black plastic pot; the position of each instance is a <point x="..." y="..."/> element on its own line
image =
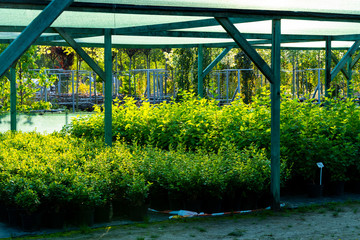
<point x="54" y="219"/>
<point x="138" y="212"/>
<point x="176" y="201"/>
<point x="120" y="208"/>
<point x="103" y="213"/>
<point x="315" y="191"/>
<point x="31" y="221"/>
<point x="159" y="199"/>
<point x="14" y="216"/>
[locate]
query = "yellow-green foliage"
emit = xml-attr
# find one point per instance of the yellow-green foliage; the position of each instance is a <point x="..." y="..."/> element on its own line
<point x="310" y="133"/>
<point x="53" y="171"/>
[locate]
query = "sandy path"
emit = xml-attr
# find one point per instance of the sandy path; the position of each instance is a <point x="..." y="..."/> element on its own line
<point x="334" y="222"/>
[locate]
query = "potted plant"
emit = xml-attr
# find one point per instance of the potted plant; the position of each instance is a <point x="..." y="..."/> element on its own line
<point x="136" y="193"/>
<point x="28" y="200"/>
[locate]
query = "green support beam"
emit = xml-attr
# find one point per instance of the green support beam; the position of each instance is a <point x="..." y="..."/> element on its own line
<point x="200" y="71"/>
<point x="349" y="80"/>
<point x="108" y="88"/>
<point x="356" y="59"/>
<point x="13" y="99"/>
<point x="275" y="114"/>
<point x="327" y="65"/>
<point x="246" y="47"/>
<point x="7" y="75"/>
<point x="345" y="59"/>
<point x="216" y="61"/>
<point x="78" y="49"/>
<point x="344" y="70"/>
<point x="31" y="33"/>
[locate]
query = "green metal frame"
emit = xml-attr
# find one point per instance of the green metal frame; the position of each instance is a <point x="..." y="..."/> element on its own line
<point x="78" y="49"/>
<point x="200" y="71"/>
<point x="32" y="32"/>
<point x="275" y="114"/>
<point x="344" y="70"/>
<point x="108" y="88"/>
<point x="246" y="47"/>
<point x="215" y="62"/>
<point x="12" y="78"/>
<point x="345" y="59"/>
<point x="225" y="17"/>
<point x="327" y="65"/>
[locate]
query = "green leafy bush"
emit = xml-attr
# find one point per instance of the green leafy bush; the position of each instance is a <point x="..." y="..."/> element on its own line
<point x="57" y="171"/>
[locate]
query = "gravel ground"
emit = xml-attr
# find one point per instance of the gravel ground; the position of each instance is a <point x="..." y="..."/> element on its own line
<point x="333" y="221"/>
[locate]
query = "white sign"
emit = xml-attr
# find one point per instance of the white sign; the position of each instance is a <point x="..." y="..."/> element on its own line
<point x="320" y="164"/>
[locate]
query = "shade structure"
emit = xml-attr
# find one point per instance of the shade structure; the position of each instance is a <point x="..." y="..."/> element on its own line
<point x="179" y="23"/>
<point x="306" y="24"/>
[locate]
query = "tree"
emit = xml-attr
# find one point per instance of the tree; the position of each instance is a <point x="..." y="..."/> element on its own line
<point x="248" y="77"/>
<point x="131" y="53"/>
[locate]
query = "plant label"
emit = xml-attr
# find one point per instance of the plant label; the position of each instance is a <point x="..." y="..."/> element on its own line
<point x="320" y="164"/>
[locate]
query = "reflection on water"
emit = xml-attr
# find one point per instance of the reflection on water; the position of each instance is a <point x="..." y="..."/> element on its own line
<point x="48" y="122"/>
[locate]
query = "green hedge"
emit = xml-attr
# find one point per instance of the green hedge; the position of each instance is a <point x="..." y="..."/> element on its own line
<point x="57" y="171"/>
<point x="310" y="133"/>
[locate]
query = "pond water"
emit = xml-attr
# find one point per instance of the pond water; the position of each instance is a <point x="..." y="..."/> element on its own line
<point x="44" y="122"/>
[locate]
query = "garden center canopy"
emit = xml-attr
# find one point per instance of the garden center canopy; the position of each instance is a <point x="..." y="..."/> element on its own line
<point x="273" y="24"/>
<point x="188" y="23"/>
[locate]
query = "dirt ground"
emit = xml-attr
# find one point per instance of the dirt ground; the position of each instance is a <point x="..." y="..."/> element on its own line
<point x="333" y="221"/>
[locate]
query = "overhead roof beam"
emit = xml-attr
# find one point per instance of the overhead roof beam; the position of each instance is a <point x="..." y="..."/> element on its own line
<point x="246" y="47"/>
<point x="345" y="59"/>
<point x="349" y="37"/>
<point x="180" y="25"/>
<point x="31" y="33"/>
<point x="185" y="11"/>
<point x="78" y="49"/>
<point x="188" y="34"/>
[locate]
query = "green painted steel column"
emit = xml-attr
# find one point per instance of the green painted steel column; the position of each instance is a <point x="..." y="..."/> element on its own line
<point x="200" y="71"/>
<point x="349" y="80"/>
<point x="275" y="114"/>
<point x="13" y="99"/>
<point x="327" y="66"/>
<point x="108" y="88"/>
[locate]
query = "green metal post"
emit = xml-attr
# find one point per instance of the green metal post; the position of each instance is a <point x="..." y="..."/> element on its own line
<point x="275" y="114"/>
<point x="349" y="80"/>
<point x="13" y="99"/>
<point x="108" y="88"/>
<point x="327" y="66"/>
<point x="200" y="71"/>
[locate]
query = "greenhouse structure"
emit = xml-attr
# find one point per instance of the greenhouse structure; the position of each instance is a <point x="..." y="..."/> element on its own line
<point x="277" y="24"/>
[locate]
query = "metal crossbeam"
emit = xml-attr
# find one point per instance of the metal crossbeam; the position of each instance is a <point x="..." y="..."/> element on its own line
<point x="216" y="61"/>
<point x="31" y="33"/>
<point x="246" y="47"/>
<point x="344" y="69"/>
<point x="353" y="63"/>
<point x="345" y="59"/>
<point x="78" y="49"/>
